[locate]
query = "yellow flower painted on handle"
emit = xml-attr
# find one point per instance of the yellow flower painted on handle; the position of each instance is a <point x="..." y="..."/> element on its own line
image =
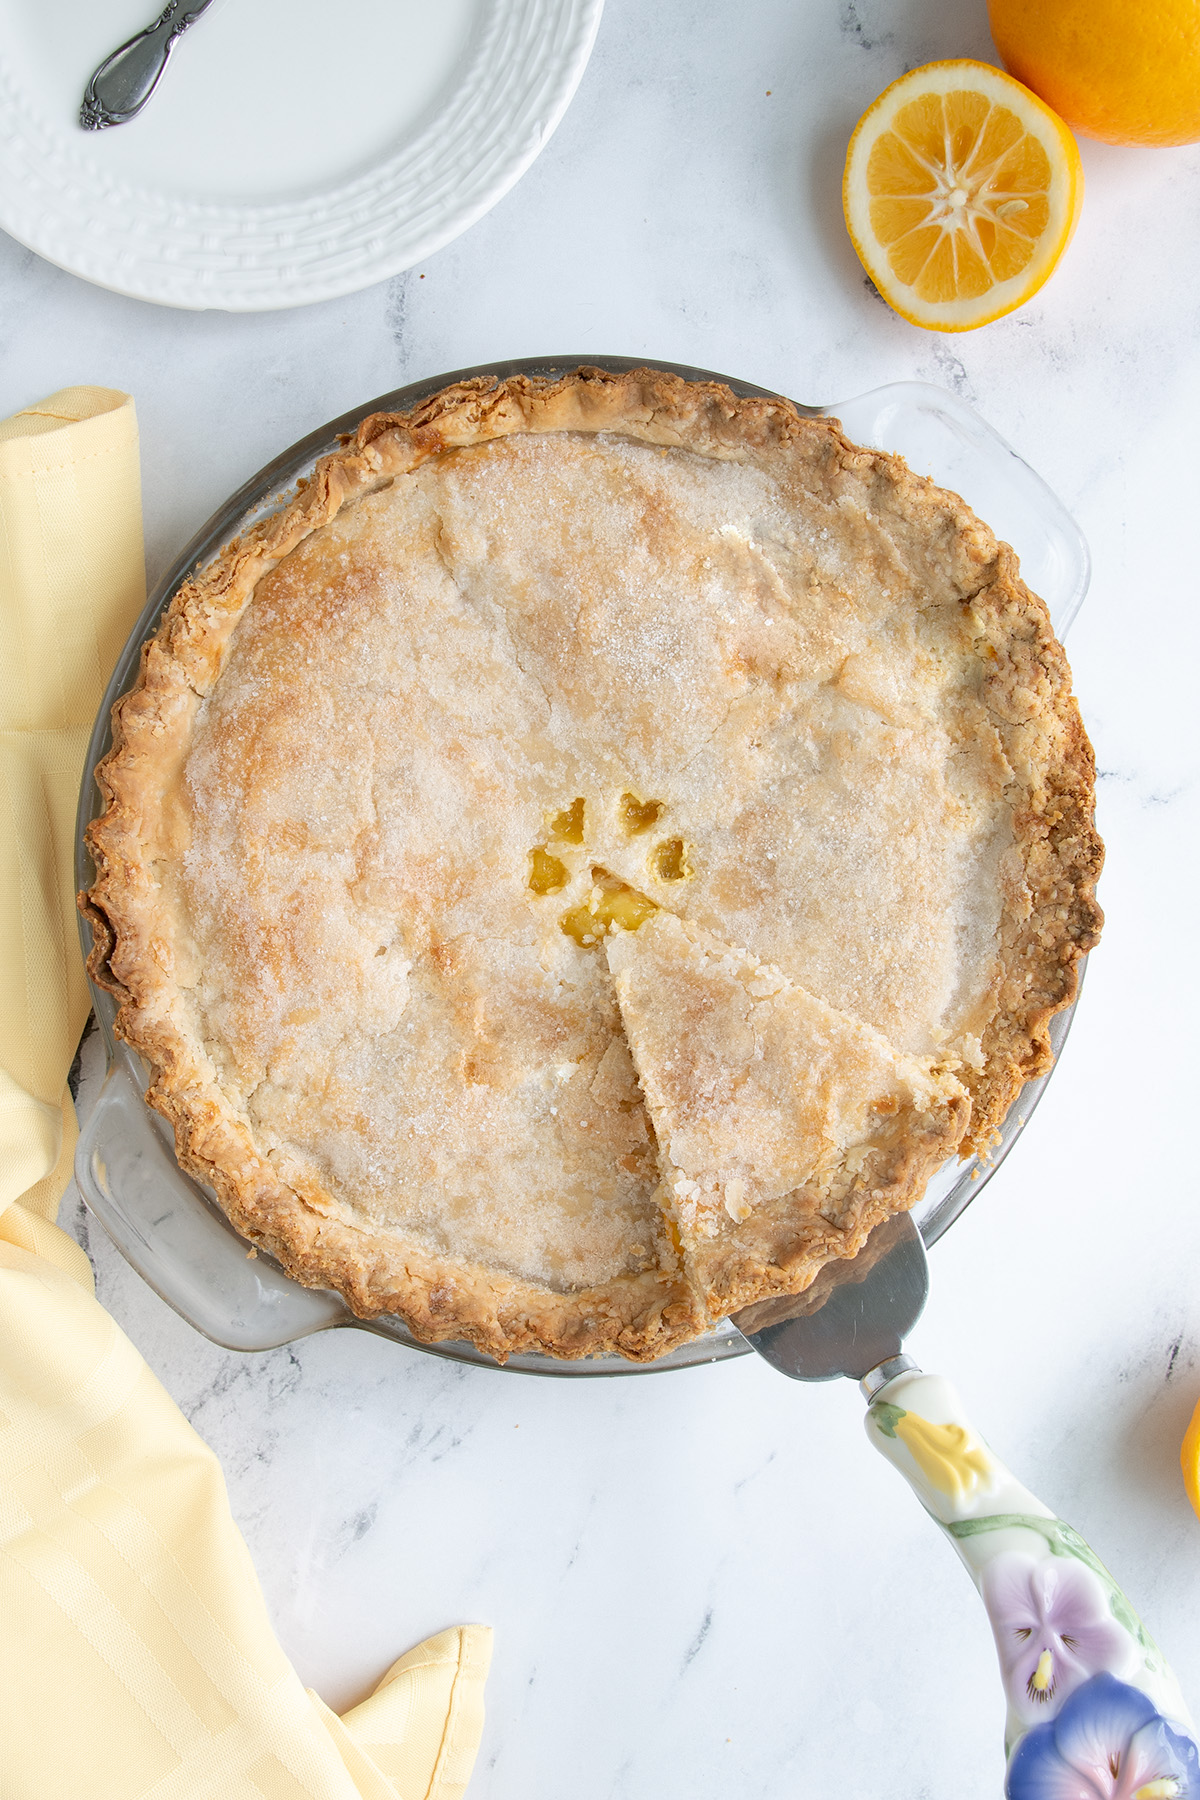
<point x="950" y="1458"/>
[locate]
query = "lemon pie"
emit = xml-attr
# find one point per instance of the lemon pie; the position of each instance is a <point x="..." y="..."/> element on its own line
<point x="591" y="856"/>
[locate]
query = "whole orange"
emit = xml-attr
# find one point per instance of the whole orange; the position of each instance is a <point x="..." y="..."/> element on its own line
<point x="1125" y="71"/>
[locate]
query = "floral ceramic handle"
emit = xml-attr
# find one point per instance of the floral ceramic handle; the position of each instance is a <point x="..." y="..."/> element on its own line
<point x="1094" y="1713"/>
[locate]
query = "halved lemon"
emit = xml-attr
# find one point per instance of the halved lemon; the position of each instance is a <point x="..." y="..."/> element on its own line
<point x="961" y="192"/>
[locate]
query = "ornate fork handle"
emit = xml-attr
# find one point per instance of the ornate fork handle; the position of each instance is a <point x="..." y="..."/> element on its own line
<point x="124" y="81"/>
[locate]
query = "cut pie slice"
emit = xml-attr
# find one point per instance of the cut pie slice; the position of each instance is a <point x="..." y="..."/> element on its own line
<point x="786" y="1129"/>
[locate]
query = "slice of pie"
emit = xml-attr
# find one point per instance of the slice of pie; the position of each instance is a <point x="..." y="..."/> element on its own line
<point x="545" y="673"/>
<point x="786" y="1129"/>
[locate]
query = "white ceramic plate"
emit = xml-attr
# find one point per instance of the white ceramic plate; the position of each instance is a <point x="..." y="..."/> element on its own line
<point x="295" y="150"/>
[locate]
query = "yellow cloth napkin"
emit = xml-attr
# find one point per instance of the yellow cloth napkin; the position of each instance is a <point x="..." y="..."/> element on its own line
<point x="136" y="1656"/>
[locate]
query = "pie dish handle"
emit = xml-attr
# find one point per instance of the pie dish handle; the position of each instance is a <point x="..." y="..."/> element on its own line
<point x="1088" y="1691"/>
<point x="939" y="435"/>
<point x="178" y="1241"/>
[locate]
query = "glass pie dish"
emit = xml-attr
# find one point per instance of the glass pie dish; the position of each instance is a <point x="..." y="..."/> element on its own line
<point x="167" y="1225"/>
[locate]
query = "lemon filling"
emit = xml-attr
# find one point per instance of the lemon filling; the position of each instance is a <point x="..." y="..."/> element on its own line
<point x="670" y="860"/>
<point x="637" y="815"/>
<point x="568" y="825"/>
<point x="609" y="903"/>
<point x="546" y="873"/>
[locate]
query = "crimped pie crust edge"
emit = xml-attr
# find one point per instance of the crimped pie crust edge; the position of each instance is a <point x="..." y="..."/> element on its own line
<point x="1027" y="691"/>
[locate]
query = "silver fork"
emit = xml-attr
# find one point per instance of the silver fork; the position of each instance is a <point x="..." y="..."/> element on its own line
<point x="124" y="81"/>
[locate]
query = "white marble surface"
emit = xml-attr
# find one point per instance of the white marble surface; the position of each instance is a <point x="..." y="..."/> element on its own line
<point x="704" y="1583"/>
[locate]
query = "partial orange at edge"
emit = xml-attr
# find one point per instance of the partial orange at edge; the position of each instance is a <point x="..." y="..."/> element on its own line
<point x="1189" y="1459"/>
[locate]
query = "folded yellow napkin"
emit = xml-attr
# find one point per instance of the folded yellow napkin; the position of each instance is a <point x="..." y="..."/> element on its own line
<point x="136" y="1655"/>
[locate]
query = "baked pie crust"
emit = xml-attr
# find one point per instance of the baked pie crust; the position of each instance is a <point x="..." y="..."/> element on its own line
<point x="590" y="857"/>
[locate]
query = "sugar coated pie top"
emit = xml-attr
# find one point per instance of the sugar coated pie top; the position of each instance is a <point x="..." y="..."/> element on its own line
<point x="591" y="857"/>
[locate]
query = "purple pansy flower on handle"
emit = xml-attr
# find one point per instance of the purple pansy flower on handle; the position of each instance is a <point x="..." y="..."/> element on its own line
<point x="1053" y="1629"/>
<point x="1107" y="1743"/>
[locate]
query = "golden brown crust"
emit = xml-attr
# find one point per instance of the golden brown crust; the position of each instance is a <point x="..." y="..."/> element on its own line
<point x="1028" y="693"/>
<point x="786" y="1131"/>
<point x="1049" y="916"/>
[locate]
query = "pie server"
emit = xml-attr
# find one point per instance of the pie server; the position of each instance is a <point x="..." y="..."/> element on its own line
<point x="1093" y="1709"/>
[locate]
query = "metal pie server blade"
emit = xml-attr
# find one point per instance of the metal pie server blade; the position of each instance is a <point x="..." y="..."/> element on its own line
<point x="854" y="1317"/>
